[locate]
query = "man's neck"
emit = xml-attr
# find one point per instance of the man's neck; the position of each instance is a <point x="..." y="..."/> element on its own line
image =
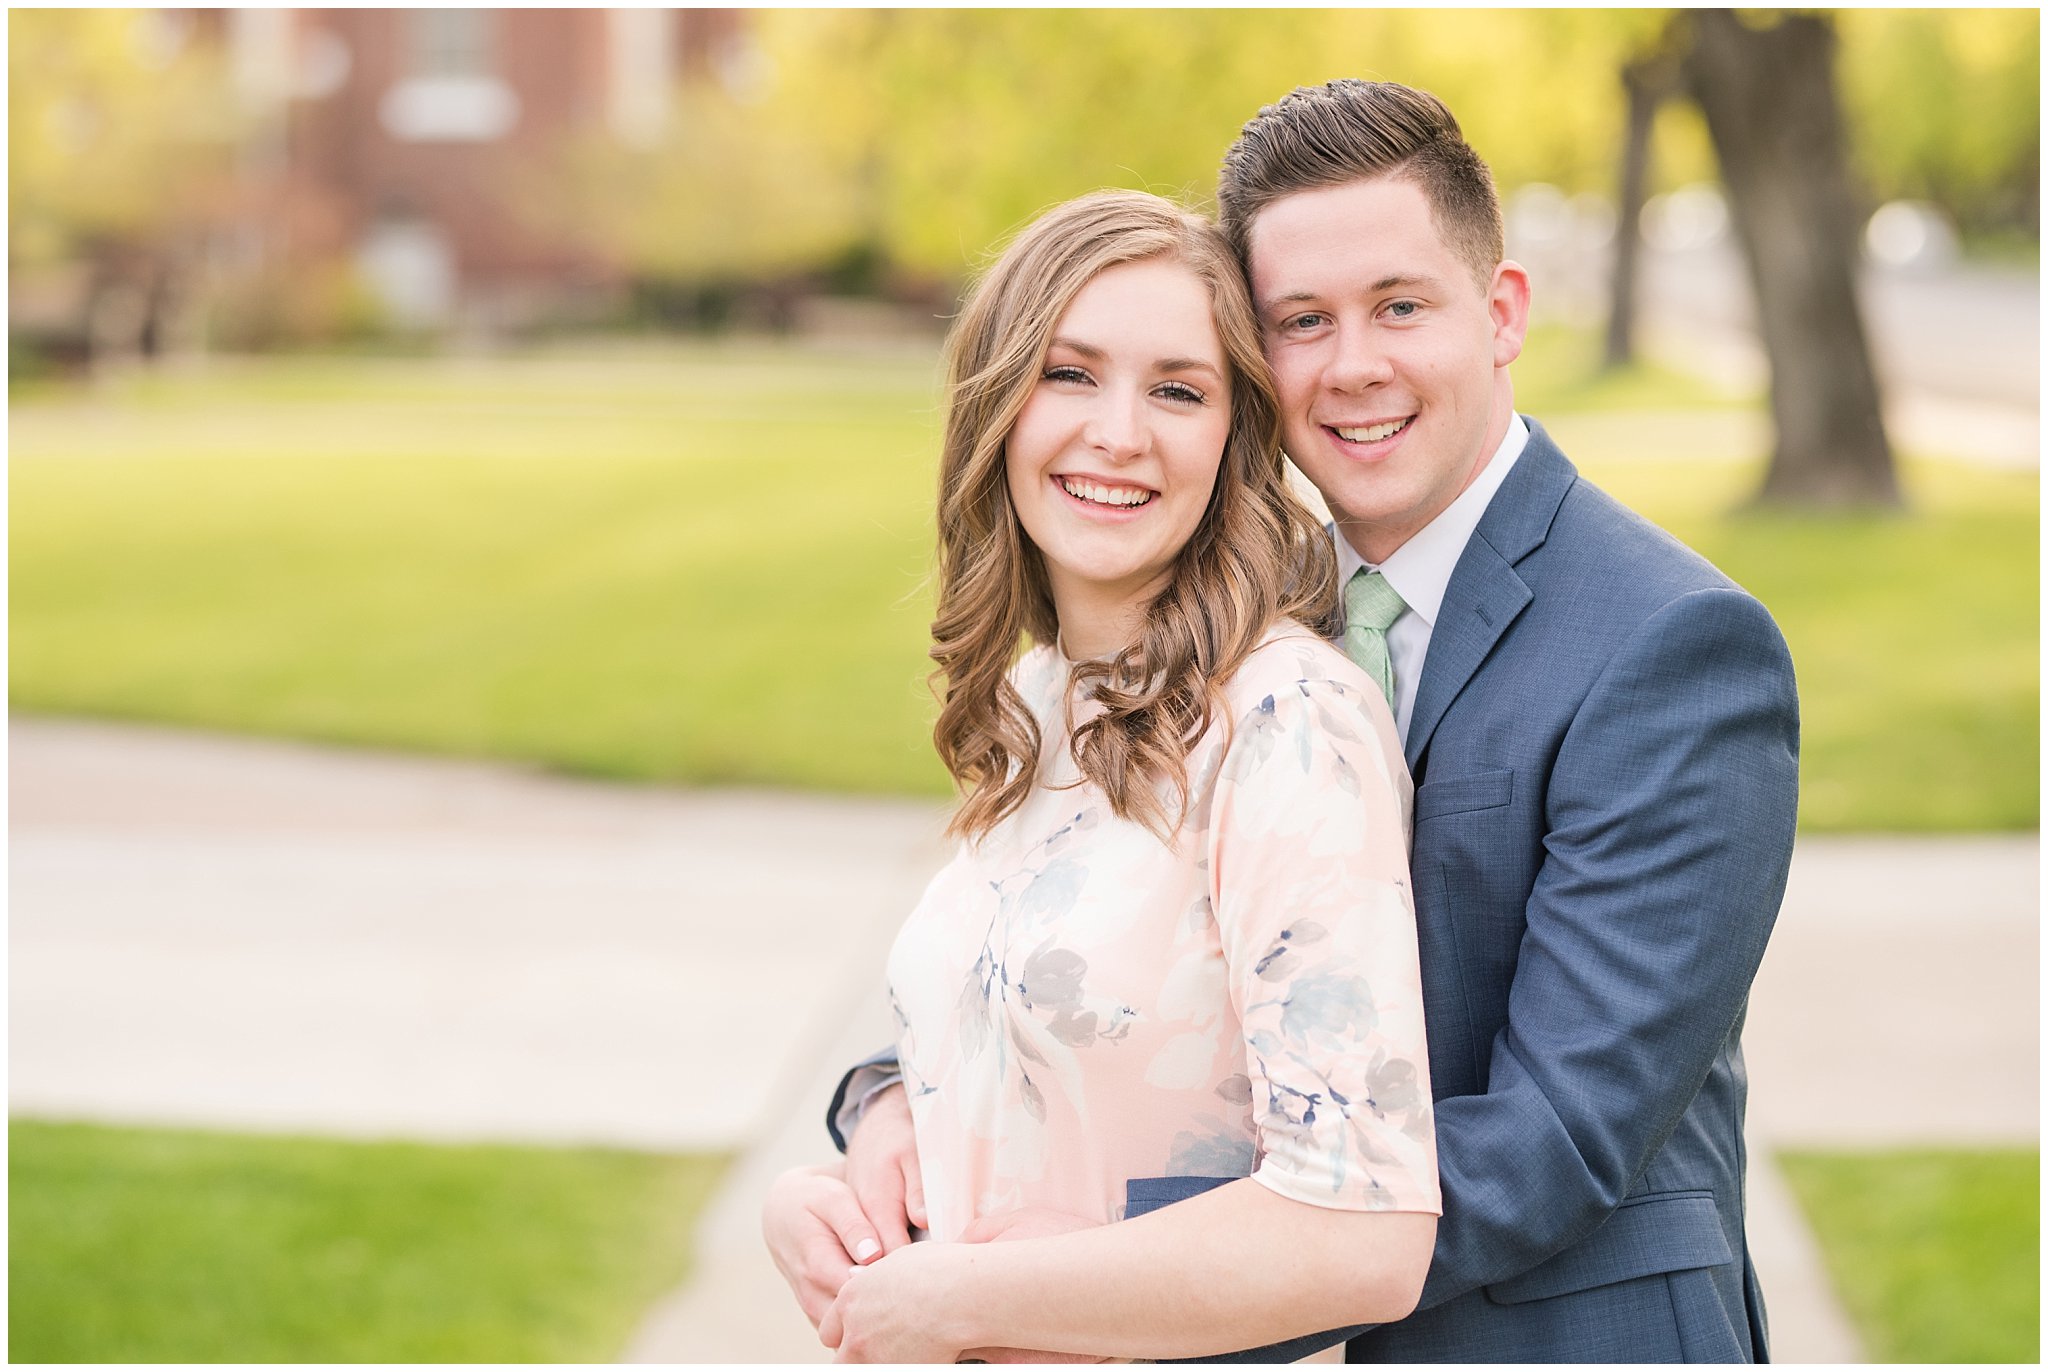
<point x="1375" y="545"/>
<point x="1432" y="550"/>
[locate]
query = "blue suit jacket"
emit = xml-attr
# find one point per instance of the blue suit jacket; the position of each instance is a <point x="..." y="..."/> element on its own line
<point x="1605" y="752"/>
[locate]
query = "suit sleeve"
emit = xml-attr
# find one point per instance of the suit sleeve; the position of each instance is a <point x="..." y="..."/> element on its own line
<point x="1670" y="813"/>
<point x="862" y="1082"/>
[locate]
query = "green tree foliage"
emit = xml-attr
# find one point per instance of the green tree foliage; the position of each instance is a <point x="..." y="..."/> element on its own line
<point x="951" y="127"/>
<point x="1944" y="106"/>
<point x="958" y="126"/>
<point x="118" y="129"/>
<point x="731" y="191"/>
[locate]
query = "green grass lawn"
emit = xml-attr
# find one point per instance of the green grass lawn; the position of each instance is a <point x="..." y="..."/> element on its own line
<point x="1559" y="372"/>
<point x="1936" y="1254"/>
<point x="700" y="566"/>
<point x="708" y="565"/>
<point x="133" y="1245"/>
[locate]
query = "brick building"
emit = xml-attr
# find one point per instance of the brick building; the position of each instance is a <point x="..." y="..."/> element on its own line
<point x="414" y="142"/>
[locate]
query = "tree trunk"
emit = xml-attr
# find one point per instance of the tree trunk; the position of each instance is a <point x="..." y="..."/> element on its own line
<point x="1766" y="84"/>
<point x="1646" y="81"/>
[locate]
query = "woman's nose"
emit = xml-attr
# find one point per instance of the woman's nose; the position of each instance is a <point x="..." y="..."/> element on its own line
<point x="1116" y="428"/>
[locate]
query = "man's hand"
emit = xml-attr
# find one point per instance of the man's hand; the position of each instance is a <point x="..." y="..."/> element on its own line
<point x="817" y="1235"/>
<point x="881" y="1167"/>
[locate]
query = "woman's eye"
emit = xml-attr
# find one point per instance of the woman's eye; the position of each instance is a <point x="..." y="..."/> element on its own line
<point x="1182" y="392"/>
<point x="1065" y="374"/>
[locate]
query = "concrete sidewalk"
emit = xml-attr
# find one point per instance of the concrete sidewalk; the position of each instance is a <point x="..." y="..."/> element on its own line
<point x="273" y="936"/>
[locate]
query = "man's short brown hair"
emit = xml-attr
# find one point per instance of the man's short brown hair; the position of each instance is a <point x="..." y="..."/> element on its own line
<point x="1350" y="130"/>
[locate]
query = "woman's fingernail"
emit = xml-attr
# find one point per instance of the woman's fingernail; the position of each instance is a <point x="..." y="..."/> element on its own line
<point x="868" y="1248"/>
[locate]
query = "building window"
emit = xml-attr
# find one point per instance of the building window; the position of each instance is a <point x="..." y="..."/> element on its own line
<point x="450" y="42"/>
<point x="451" y="92"/>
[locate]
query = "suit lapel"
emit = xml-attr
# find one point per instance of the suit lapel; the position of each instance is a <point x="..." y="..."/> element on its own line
<point x="1486" y="594"/>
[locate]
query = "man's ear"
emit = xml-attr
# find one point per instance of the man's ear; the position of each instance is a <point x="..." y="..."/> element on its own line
<point x="1507" y="301"/>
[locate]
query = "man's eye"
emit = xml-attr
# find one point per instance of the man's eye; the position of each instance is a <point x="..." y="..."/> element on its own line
<point x="1403" y="309"/>
<point x="1305" y="321"/>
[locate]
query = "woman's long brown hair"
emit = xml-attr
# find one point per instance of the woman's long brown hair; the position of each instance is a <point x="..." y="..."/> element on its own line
<point x="1257" y="556"/>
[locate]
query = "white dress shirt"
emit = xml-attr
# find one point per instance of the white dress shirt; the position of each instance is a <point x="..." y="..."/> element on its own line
<point x="1420" y="569"/>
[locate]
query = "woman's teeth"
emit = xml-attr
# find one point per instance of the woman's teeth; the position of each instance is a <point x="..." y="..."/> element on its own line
<point x="1372" y="433"/>
<point x="1125" y="496"/>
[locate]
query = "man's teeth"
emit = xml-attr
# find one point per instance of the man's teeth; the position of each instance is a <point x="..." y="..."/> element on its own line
<point x="1104" y="495"/>
<point x="1371" y="433"/>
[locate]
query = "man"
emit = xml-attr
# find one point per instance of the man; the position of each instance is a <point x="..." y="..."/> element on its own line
<point x="1603" y="734"/>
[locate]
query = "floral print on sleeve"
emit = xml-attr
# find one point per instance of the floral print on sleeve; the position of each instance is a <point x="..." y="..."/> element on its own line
<point x="1308" y="868"/>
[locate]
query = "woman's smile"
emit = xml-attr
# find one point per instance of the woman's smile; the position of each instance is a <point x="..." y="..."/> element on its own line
<point x="1105" y="496"/>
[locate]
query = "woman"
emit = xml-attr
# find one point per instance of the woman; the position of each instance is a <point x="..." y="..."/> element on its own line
<point x="1176" y="947"/>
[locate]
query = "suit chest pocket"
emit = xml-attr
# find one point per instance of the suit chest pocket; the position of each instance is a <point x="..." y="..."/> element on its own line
<point x="1464" y="795"/>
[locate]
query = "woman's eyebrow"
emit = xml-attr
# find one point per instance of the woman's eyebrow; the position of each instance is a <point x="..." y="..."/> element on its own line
<point x="1164" y="364"/>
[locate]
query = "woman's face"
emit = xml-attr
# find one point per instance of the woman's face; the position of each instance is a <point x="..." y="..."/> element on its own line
<point x="1113" y="459"/>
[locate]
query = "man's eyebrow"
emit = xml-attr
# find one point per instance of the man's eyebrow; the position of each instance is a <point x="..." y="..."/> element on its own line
<point x="1400" y="280"/>
<point x="1291" y="298"/>
<point x="1392" y="282"/>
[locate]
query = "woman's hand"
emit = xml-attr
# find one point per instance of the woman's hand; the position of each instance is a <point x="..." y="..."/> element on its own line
<point x="914" y="1304"/>
<point x="882" y="1168"/>
<point x="817" y="1234"/>
<point x="908" y="1307"/>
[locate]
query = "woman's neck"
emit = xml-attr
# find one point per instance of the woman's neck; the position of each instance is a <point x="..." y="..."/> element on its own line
<point x="1097" y="623"/>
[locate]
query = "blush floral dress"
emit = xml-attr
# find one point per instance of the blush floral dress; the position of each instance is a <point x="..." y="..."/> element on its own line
<point x="1080" y="1004"/>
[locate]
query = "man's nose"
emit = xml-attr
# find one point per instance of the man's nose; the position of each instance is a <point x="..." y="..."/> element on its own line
<point x="1116" y="427"/>
<point x="1357" y="361"/>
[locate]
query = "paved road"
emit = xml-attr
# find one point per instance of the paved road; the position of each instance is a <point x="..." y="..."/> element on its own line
<point x="274" y="936"/>
<point x="1957" y="347"/>
<point x="1962" y="332"/>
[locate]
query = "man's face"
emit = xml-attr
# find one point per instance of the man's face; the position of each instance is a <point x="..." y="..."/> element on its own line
<point x="1391" y="360"/>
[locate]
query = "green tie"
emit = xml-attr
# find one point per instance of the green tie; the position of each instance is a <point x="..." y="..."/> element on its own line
<point x="1370" y="608"/>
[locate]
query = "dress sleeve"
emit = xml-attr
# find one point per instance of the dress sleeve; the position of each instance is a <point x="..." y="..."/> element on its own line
<point x="1308" y="854"/>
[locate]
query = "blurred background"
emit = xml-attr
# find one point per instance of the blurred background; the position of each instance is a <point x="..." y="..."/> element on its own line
<point x="470" y="503"/>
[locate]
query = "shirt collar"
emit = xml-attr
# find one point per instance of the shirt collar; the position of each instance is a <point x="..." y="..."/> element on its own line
<point x="1420" y="569"/>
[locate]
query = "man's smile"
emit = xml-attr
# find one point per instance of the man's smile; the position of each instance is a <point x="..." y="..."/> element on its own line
<point x="1370" y="433"/>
